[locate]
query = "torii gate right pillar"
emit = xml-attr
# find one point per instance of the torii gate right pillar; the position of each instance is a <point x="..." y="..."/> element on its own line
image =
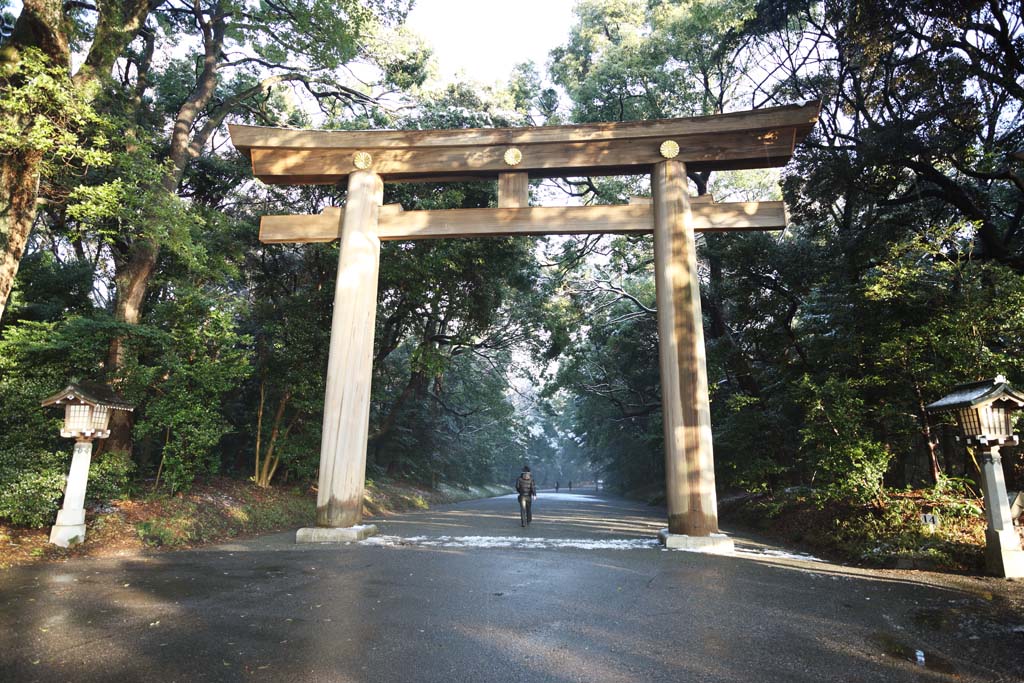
<point x="689" y="458"/>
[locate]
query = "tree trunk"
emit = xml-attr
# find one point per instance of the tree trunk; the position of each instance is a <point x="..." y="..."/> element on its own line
<point x="269" y="464"/>
<point x="928" y="434"/>
<point x="19" y="180"/>
<point x="259" y="429"/>
<point x="134" y="270"/>
<point x="132" y="277"/>
<point x="40" y="25"/>
<point x="116" y="27"/>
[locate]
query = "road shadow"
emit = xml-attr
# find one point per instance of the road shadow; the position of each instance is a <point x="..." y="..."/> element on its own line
<point x="267" y="611"/>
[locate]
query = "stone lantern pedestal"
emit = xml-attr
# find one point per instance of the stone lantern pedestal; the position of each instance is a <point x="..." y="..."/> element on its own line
<point x="70" y="526"/>
<point x="1003" y="554"/>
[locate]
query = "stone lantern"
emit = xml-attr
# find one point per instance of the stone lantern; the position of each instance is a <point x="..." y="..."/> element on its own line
<point x="984" y="412"/>
<point x="87" y="409"/>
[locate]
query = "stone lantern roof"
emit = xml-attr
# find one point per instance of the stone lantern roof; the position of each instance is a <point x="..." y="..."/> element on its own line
<point x="89" y="393"/>
<point x="974" y="394"/>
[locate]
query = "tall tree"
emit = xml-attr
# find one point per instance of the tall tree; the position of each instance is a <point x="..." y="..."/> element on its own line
<point x="232" y="62"/>
<point x="42" y="36"/>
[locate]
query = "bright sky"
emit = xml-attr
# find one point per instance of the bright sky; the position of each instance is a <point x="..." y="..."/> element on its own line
<point x="485" y="39"/>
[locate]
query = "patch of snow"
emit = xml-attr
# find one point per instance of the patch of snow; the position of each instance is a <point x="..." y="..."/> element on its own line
<point x="516" y="542"/>
<point x="559" y="496"/>
<point x="780" y="554"/>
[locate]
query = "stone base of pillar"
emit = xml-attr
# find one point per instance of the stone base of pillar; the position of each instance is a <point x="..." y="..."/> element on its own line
<point x="344" y="534"/>
<point x="1003" y="554"/>
<point x="66" y="535"/>
<point x="713" y="545"/>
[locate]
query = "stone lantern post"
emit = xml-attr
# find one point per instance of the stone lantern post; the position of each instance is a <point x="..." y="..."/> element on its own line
<point x="87" y="409"/>
<point x="984" y="412"/>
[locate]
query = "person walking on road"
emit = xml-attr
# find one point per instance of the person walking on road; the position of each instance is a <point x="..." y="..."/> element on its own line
<point x="526" y="487"/>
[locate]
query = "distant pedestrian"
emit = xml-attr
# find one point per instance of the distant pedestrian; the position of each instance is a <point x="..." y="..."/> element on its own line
<point x="570" y="484"/>
<point x="556" y="486"/>
<point x="526" y="487"/>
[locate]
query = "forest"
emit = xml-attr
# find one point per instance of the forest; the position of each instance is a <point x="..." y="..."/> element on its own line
<point x="129" y="224"/>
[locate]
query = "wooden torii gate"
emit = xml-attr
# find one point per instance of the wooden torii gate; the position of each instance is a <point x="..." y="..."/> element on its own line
<point x="664" y="149"/>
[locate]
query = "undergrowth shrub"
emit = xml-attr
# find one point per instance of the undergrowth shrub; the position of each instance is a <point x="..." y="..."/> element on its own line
<point x="886" y="531"/>
<point x="31" y="486"/>
<point x="110" y="476"/>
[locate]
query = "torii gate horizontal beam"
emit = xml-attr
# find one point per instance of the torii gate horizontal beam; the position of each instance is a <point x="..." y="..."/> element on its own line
<point x="760" y="138"/>
<point x="396" y="224"/>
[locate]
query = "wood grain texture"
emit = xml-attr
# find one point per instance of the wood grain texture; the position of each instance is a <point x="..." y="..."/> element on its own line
<point x="513" y="190"/>
<point x="703" y="152"/>
<point x="694" y="200"/>
<point x="802" y="117"/>
<point x="349" y="366"/>
<point x="689" y="458"/>
<point x="396" y="224"/>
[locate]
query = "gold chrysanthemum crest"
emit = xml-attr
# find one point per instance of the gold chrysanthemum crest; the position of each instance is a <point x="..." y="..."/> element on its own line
<point x="513" y="156"/>
<point x="362" y="160"/>
<point x="669" y="149"/>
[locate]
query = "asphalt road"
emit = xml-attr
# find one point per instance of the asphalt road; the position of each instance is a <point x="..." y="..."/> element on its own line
<point x="463" y="593"/>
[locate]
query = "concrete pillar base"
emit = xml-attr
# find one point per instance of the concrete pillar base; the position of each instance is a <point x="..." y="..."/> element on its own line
<point x="345" y="534"/>
<point x="66" y="535"/>
<point x="713" y="545"/>
<point x="67" y="517"/>
<point x="1003" y="554"/>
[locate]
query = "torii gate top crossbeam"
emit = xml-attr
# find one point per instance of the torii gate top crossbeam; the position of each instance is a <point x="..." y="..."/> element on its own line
<point x="760" y="138"/>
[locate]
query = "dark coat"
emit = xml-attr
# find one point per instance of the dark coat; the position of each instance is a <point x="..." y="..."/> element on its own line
<point x="525" y="485"/>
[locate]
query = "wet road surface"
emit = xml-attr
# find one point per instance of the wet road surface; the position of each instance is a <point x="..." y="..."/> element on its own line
<point x="462" y="593"/>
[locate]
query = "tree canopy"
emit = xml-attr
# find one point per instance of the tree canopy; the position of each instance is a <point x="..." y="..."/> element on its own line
<point x="128" y="226"/>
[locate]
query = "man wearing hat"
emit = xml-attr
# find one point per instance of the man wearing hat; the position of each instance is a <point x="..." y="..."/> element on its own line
<point x="527" y="489"/>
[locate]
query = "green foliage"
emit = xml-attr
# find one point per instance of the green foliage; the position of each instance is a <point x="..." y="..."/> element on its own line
<point x="900" y="273"/>
<point x="629" y="60"/>
<point x="49" y="289"/>
<point x="110" y="476"/>
<point x="187" y="360"/>
<point x="402" y="55"/>
<point x="31" y="485"/>
<point x="893" y="532"/>
<point x="195" y="362"/>
<point x="41" y="113"/>
<point x="848" y="464"/>
<point x="127" y="201"/>
<point x="160" y="532"/>
<point x="36" y="360"/>
<point x="751" y="445"/>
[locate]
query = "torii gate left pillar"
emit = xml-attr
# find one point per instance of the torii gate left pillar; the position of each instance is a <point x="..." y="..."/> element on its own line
<point x="339" y="500"/>
<point x="756" y="139"/>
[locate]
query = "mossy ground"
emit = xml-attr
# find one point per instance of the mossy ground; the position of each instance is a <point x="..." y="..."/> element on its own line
<point x="888" y="532"/>
<point x="214" y="511"/>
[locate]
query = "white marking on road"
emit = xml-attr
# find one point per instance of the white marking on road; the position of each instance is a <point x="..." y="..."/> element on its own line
<point x="513" y="542"/>
<point x="546" y="495"/>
